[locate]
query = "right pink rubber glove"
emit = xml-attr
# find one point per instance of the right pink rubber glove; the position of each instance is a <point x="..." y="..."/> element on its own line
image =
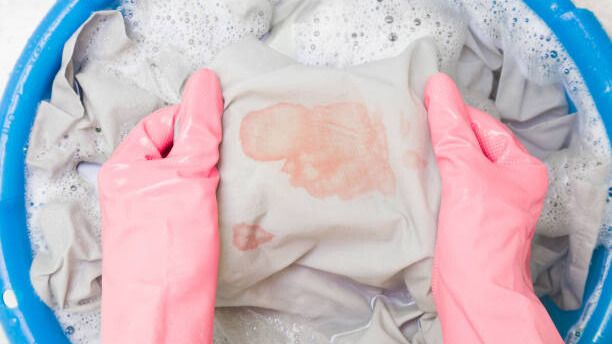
<point x="492" y="195"/>
<point x="159" y="223"/>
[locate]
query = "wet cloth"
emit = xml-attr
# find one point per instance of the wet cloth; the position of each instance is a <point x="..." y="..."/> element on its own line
<point x="537" y="113"/>
<point x="483" y="297"/>
<point x="329" y="192"/>
<point x="82" y="121"/>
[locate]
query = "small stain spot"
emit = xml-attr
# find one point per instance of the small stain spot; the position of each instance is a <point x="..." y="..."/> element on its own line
<point x="248" y="237"/>
<point x="413" y="160"/>
<point x="405" y="126"/>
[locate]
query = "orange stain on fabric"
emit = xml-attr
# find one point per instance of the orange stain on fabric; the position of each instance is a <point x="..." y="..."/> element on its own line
<point x="337" y="149"/>
<point x="249" y="237"/>
<point x="413" y="160"/>
<point x="405" y="125"/>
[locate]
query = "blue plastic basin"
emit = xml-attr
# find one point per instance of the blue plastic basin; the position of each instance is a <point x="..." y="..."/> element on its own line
<point x="31" y="321"/>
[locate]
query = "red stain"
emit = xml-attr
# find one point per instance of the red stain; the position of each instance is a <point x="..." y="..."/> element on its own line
<point x="336" y="149"/>
<point x="248" y="237"/>
<point x="405" y="126"/>
<point x="413" y="160"/>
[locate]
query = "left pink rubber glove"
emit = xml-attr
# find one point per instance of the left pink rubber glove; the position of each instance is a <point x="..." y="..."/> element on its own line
<point x="492" y="195"/>
<point x="159" y="223"/>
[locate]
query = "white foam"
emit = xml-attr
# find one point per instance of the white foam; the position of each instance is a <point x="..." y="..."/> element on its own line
<point x="196" y="28"/>
<point x="349" y="32"/>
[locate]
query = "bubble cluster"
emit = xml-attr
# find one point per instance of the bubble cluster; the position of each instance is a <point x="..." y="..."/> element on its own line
<point x="82" y="327"/>
<point x="42" y="188"/>
<point x="569" y="173"/>
<point x="196" y="28"/>
<point x="253" y="325"/>
<point x="174" y="35"/>
<point x="349" y="32"/>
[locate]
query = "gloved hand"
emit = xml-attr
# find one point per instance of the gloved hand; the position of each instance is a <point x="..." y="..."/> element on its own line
<point x="492" y="195"/>
<point x="159" y="223"/>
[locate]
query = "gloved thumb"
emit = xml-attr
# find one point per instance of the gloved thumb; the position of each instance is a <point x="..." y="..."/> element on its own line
<point x="150" y="139"/>
<point x="496" y="140"/>
<point x="449" y="120"/>
<point x="198" y="122"/>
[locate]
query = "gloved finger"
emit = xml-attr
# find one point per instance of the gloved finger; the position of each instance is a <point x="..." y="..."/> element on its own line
<point x="449" y="120"/>
<point x="496" y="140"/>
<point x="150" y="139"/>
<point x="199" y="119"/>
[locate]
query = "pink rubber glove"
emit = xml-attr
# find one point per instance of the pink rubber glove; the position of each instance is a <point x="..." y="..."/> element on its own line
<point x="159" y="223"/>
<point x="492" y="195"/>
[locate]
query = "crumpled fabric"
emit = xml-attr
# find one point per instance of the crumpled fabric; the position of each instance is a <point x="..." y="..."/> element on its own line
<point x="568" y="229"/>
<point x="159" y="222"/>
<point x="492" y="195"/>
<point x="77" y="124"/>
<point x="537" y="114"/>
<point x="318" y="166"/>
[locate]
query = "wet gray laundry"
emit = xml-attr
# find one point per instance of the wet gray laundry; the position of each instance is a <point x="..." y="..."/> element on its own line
<point x="329" y="192"/>
<point x="77" y="124"/>
<point x="538" y="114"/>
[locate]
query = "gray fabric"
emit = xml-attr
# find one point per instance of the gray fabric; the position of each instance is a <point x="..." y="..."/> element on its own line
<point x="78" y="124"/>
<point x="329" y="247"/>
<point x="569" y="226"/>
<point x="536" y="113"/>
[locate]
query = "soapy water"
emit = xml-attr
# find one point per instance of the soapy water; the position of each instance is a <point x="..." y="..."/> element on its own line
<point x="605" y="240"/>
<point x="337" y="35"/>
<point x="350" y="32"/>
